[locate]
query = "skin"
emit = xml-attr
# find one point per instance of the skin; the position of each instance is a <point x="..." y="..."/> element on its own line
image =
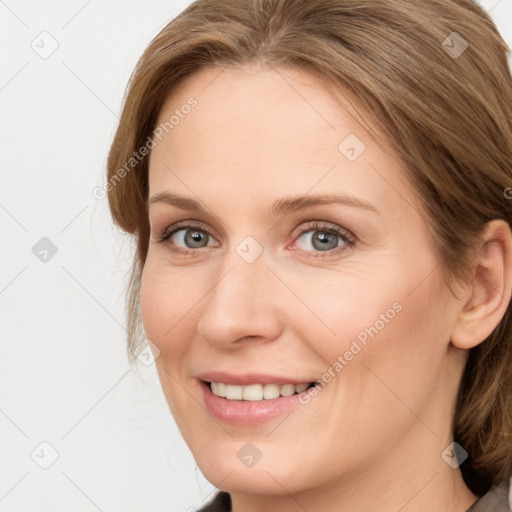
<point x="372" y="439"/>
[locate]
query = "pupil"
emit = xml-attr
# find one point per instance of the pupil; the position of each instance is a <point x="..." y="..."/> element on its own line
<point x="194" y="237"/>
<point x="323" y="239"/>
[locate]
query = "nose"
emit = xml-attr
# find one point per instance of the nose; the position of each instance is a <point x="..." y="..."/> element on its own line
<point x="242" y="305"/>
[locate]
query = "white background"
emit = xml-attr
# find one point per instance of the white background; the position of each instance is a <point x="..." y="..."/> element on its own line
<point x="64" y="375"/>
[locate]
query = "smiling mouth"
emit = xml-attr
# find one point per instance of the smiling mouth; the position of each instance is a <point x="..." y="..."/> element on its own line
<point x="257" y="392"/>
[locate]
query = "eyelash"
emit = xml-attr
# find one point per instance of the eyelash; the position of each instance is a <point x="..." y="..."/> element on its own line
<point x="332" y="229"/>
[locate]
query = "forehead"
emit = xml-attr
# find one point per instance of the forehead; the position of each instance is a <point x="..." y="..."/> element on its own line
<point x="261" y="127"/>
<point x="265" y="101"/>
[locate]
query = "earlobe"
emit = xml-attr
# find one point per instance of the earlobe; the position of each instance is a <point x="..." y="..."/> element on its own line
<point x="491" y="288"/>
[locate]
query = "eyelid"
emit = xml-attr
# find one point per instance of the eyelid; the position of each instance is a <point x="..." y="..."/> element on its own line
<point x="183" y="224"/>
<point x="316" y="225"/>
<point x="346" y="236"/>
<point x="305" y="227"/>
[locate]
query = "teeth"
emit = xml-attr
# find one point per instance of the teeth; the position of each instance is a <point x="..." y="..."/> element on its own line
<point x="252" y="393"/>
<point x="234" y="392"/>
<point x="287" y="390"/>
<point x="301" y="387"/>
<point x="256" y="392"/>
<point x="219" y="389"/>
<point x="270" y="391"/>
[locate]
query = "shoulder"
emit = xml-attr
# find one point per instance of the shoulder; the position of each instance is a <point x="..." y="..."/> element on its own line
<point x="221" y="502"/>
<point x="496" y="500"/>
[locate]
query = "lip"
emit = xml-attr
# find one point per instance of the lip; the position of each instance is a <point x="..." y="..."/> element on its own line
<point x="249" y="378"/>
<point x="245" y="412"/>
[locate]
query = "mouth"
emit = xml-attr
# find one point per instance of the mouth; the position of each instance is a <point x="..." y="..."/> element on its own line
<point x="257" y="392"/>
<point x="252" y="402"/>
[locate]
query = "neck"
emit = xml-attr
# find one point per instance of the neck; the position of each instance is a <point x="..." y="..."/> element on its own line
<point x="411" y="477"/>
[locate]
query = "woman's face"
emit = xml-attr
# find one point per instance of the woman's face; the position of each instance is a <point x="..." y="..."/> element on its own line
<point x="268" y="280"/>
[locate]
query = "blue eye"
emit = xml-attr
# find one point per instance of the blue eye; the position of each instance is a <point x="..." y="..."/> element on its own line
<point x="188" y="237"/>
<point x="324" y="238"/>
<point x="319" y="239"/>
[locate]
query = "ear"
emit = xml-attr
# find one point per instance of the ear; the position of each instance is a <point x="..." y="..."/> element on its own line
<point x="491" y="288"/>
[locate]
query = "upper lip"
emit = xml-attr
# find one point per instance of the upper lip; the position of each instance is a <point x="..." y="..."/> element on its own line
<point x="249" y="378"/>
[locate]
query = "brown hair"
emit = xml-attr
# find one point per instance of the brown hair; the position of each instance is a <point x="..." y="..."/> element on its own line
<point x="448" y="116"/>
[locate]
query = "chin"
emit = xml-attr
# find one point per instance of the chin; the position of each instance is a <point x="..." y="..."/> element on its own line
<point x="251" y="480"/>
<point x="224" y="467"/>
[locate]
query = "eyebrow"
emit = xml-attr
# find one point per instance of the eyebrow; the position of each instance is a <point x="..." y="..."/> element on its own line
<point x="281" y="206"/>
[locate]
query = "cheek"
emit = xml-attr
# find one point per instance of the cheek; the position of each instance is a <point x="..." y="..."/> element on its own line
<point x="166" y="310"/>
<point x="392" y="345"/>
<point x="385" y="323"/>
<point x="403" y="339"/>
<point x="167" y="305"/>
<point x="347" y="309"/>
<point x="153" y="304"/>
<point x="390" y="300"/>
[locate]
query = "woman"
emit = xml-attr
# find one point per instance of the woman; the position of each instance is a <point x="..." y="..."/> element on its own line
<point x="320" y="194"/>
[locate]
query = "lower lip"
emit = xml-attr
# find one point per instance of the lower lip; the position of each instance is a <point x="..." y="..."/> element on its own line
<point x="246" y="412"/>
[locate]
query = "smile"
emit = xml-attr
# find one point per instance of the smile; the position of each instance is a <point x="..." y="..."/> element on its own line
<point x="256" y="392"/>
<point x="250" y="403"/>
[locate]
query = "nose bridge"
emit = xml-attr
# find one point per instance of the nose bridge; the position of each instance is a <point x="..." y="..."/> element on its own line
<point x="240" y="303"/>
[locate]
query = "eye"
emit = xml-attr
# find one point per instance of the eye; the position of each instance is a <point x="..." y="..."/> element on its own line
<point x="322" y="237"/>
<point x="182" y="237"/>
